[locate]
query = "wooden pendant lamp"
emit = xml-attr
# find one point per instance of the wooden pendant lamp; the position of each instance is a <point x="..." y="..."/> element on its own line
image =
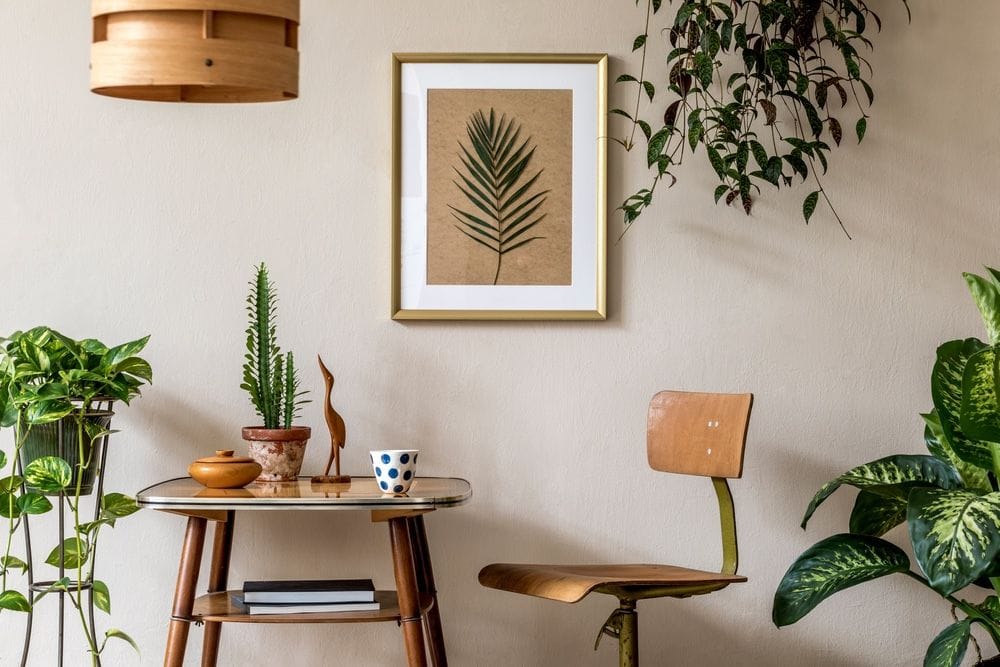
<point x="196" y="50"/>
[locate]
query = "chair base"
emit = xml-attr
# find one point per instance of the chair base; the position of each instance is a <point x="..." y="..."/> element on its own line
<point x="623" y="625"/>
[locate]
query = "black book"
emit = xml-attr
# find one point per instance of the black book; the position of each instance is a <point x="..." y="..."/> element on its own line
<point x="313" y="591"/>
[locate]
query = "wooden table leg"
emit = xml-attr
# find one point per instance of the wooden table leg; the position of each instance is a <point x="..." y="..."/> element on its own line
<point x="406" y="588"/>
<point x="425" y="584"/>
<point x="187" y="581"/>
<point x="218" y="580"/>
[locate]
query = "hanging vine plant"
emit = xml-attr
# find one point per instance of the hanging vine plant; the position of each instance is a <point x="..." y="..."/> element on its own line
<point x="765" y="86"/>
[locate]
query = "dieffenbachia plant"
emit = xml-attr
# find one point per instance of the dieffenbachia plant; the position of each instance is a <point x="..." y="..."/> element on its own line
<point x="46" y="377"/>
<point x="949" y="500"/>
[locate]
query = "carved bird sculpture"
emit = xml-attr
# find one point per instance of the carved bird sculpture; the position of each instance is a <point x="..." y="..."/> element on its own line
<point x="338" y="432"/>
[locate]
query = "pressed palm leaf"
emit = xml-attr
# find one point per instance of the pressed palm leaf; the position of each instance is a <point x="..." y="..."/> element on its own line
<point x="980" y="412"/>
<point x="946" y="391"/>
<point x="948" y="648"/>
<point x="830" y="566"/>
<point x="504" y="203"/>
<point x="892" y="476"/>
<point x="955" y="535"/>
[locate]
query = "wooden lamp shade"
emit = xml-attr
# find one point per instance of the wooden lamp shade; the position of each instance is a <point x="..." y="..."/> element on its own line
<point x="196" y="50"/>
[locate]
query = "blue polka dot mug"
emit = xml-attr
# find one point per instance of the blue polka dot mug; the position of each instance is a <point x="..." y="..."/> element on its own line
<point x="395" y="469"/>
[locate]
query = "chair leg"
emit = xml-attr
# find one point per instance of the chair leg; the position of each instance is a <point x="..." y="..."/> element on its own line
<point x="628" y="635"/>
<point x="623" y="625"/>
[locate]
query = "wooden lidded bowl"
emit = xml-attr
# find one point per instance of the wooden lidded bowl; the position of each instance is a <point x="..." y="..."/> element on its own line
<point x="224" y="471"/>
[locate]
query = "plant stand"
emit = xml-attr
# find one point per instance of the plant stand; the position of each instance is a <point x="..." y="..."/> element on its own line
<point x="36" y="587"/>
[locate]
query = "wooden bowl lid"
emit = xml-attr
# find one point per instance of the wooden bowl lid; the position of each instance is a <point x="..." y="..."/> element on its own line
<point x="225" y="456"/>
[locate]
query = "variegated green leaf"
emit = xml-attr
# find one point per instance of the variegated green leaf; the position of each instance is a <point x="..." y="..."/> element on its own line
<point x="991" y="607"/>
<point x="73" y="553"/>
<point x="101" y="595"/>
<point x="892" y="476"/>
<point x="49" y="474"/>
<point x="948" y="648"/>
<point x="955" y="535"/>
<point x="986" y="293"/>
<point x="946" y="390"/>
<point x="876" y="515"/>
<point x="14" y="601"/>
<point x="830" y="566"/>
<point x="980" y="411"/>
<point x="974" y="477"/>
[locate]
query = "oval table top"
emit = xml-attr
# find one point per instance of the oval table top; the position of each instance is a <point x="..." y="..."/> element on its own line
<point x="362" y="493"/>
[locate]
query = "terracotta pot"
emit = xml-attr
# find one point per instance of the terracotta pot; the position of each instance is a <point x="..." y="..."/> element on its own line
<point x="224" y="471"/>
<point x="279" y="451"/>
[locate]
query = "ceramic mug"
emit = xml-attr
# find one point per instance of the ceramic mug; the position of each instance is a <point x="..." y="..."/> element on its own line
<point x="394" y="469"/>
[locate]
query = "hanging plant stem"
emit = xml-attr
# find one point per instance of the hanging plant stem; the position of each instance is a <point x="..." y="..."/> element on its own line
<point x="729" y="68"/>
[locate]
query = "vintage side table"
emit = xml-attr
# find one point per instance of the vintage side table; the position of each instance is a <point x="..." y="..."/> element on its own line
<point x="413" y="604"/>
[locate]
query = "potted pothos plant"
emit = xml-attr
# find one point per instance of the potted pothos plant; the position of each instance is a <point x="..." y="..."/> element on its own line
<point x="949" y="500"/>
<point x="764" y="87"/>
<point x="272" y="381"/>
<point x="52" y="389"/>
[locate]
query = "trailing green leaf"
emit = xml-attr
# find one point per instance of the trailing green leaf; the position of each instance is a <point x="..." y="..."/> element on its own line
<point x="830" y="566"/>
<point x="955" y="535"/>
<point x="72" y="553"/>
<point x="48" y="474"/>
<point x="892" y="476"/>
<point x="101" y="596"/>
<point x="14" y="601"/>
<point x="117" y="506"/>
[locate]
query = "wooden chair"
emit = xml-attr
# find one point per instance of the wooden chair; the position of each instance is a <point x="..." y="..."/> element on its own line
<point x="687" y="433"/>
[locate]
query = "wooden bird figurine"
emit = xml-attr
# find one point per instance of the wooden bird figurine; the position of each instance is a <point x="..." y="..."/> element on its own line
<point x="338" y="433"/>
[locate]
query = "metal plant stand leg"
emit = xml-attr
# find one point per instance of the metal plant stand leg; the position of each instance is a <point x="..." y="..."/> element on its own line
<point x="31" y="573"/>
<point x="86" y="585"/>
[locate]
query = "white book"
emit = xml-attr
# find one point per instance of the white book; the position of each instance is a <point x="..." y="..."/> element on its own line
<point x="256" y="609"/>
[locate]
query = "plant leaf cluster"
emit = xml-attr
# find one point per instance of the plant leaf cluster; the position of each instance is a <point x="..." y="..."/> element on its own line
<point x="949" y="500"/>
<point x="46" y="377"/>
<point x="269" y="377"/>
<point x="763" y="86"/>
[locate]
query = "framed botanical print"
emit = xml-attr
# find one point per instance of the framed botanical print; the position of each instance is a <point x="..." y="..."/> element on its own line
<point x="499" y="187"/>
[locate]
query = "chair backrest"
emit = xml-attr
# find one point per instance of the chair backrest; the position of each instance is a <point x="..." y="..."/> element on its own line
<point x="697" y="433"/>
<point x="702" y="434"/>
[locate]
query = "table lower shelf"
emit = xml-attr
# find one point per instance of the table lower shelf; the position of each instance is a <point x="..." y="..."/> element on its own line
<point x="219" y="608"/>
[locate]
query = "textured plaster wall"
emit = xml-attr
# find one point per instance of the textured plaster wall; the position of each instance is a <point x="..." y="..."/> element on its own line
<point x="118" y="219"/>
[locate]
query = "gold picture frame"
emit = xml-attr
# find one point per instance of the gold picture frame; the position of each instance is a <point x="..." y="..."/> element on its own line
<point x="545" y="118"/>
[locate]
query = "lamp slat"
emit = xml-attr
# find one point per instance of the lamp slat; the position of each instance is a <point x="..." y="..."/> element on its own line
<point x="195" y="50"/>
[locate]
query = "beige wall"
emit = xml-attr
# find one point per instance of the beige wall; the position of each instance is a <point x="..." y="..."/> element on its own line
<point x="118" y="219"/>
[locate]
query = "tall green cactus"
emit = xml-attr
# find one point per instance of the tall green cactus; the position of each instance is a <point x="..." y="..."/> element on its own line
<point x="269" y="377"/>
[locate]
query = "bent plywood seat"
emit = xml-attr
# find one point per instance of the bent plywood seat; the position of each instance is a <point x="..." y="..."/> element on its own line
<point x="687" y="433"/>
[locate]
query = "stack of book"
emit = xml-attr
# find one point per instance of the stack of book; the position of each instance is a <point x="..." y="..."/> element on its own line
<point x="307" y="597"/>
